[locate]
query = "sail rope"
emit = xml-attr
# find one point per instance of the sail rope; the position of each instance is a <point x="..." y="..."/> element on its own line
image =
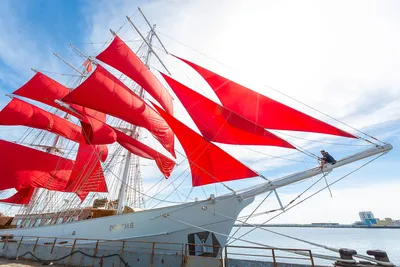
<point x="251" y="242"/>
<point x="286" y="208"/>
<point x="322" y="142"/>
<point x="282" y="209"/>
<point x="270" y="87"/>
<point x="315" y="193"/>
<point x="95" y="43"/>
<point x="259" y="205"/>
<point x="176" y="188"/>
<point x="290" y="237"/>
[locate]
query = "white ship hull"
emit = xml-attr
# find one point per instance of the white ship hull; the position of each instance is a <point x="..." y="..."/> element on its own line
<point x="168" y="224"/>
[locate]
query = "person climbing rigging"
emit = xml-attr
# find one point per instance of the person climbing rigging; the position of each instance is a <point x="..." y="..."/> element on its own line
<point x="326" y="158"/>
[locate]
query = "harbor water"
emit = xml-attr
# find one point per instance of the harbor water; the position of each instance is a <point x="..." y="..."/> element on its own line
<point x="359" y="239"/>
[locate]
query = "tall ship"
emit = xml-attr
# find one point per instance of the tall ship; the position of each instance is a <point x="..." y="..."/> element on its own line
<point x="79" y="169"/>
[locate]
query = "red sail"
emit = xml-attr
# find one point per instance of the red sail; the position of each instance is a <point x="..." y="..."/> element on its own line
<point x="208" y="163"/>
<point x="87" y="174"/>
<point x="114" y="98"/>
<point x="165" y="164"/>
<point x="218" y="124"/>
<point x="97" y="132"/>
<point x="22" y="197"/>
<point x="263" y="110"/>
<point x="43" y="89"/>
<point x="19" y="112"/>
<point x="24" y="167"/>
<point x="121" y="57"/>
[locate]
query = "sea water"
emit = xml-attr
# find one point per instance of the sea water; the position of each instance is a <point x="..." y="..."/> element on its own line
<point x="354" y="238"/>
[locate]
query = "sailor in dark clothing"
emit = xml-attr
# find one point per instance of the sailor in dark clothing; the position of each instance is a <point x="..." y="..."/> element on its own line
<point x="326" y="158"/>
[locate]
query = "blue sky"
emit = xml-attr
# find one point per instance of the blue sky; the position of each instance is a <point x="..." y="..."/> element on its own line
<point x="342" y="59"/>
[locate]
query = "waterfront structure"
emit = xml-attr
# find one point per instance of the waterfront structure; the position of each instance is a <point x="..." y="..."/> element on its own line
<point x="367" y="218"/>
<point x="385" y="222"/>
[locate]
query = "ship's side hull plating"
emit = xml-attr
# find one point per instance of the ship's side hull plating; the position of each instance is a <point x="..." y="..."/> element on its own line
<point x="168" y="224"/>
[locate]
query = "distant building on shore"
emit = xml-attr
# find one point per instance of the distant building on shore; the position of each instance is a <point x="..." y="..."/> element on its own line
<point x="368" y="218"/>
<point x="385" y="222"/>
<point x="324" y="224"/>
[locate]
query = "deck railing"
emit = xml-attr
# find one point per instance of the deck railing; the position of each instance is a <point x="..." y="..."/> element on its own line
<point x="220" y="256"/>
<point x="274" y="255"/>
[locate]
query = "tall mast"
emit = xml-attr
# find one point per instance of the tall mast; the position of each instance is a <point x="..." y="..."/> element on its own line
<point x="137" y="177"/>
<point x="48" y="195"/>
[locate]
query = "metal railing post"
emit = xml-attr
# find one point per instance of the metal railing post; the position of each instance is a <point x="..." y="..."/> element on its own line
<point x="152" y="255"/>
<point x="226" y="256"/>
<point x="5" y="243"/>
<point x="19" y="245"/>
<point x="34" y="247"/>
<point x="183" y="254"/>
<point x="54" y="243"/>
<point x="274" y="258"/>
<point x="72" y="250"/>
<point x="311" y="258"/>
<point x="221" y="257"/>
<point x="95" y="251"/>
<point x="121" y="254"/>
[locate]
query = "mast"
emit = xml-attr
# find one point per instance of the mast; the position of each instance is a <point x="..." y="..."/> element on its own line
<point x="39" y="191"/>
<point x="52" y="149"/>
<point x="137" y="178"/>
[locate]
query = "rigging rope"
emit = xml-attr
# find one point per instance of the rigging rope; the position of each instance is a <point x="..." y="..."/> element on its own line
<point x="341" y="178"/>
<point x="322" y="142"/>
<point x="251" y="242"/>
<point x="250" y="215"/>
